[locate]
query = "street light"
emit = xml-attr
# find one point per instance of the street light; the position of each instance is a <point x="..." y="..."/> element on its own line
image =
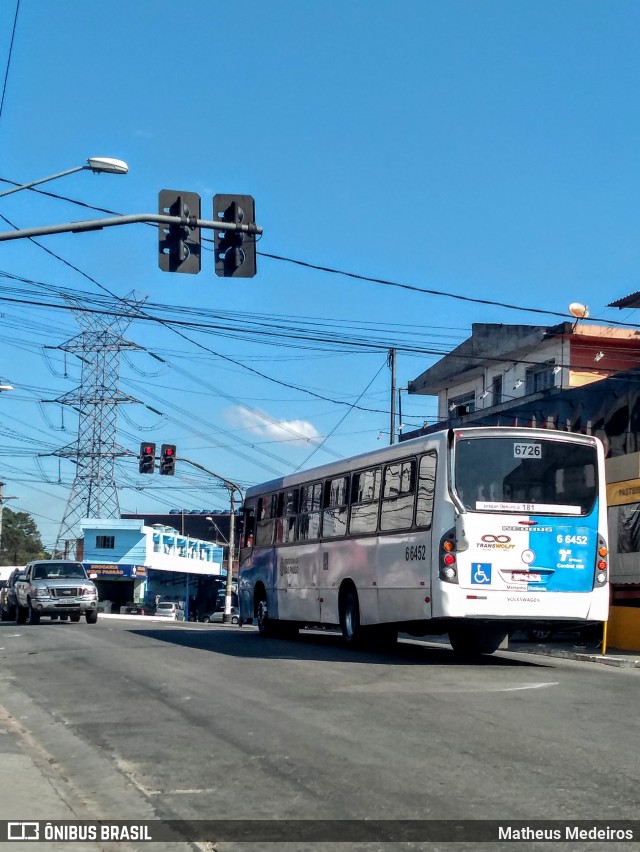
<point x="97" y="165"/>
<point x="217" y="529"/>
<point x="225" y="541"/>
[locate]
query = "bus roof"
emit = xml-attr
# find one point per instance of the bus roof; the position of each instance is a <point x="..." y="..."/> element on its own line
<point x="407" y="448"/>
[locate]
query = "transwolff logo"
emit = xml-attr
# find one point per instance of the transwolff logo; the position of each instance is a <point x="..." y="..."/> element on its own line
<point x="495" y="542"/>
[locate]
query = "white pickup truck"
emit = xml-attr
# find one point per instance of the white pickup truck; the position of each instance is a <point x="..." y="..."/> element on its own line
<point x="56" y="589"/>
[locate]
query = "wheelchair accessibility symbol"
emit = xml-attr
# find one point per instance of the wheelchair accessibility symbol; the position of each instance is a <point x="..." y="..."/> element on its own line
<point x="480" y="573"/>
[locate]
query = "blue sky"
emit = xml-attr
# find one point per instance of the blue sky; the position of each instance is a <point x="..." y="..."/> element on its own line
<point x="478" y="147"/>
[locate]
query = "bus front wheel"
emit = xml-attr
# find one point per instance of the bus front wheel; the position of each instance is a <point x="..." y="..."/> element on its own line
<point x="262" y="615"/>
<point x="270" y="626"/>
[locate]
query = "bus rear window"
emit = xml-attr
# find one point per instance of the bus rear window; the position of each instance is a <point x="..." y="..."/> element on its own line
<point x="525" y="475"/>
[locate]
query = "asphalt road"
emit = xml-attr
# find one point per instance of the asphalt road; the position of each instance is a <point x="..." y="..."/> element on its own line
<point x="203" y="722"/>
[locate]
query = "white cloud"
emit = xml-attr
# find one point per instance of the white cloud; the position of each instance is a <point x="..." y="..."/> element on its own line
<point x="269" y="429"/>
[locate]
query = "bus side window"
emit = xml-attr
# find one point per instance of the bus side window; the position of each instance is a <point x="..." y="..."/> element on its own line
<point x="248" y="526"/>
<point x="287" y="516"/>
<point x="365" y="497"/>
<point x="279" y="514"/>
<point x="426" y="490"/>
<point x="336" y="499"/>
<point x="266" y="519"/>
<point x="309" y="517"/>
<point x="398" y="495"/>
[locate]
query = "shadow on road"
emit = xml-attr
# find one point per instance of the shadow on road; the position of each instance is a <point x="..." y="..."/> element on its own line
<point x="324" y="647"/>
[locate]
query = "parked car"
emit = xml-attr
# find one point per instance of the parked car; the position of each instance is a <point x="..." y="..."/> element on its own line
<point x="169" y="609"/>
<point x="136" y="609"/>
<point x="8" y="601"/>
<point x="218" y="616"/>
<point x="55" y="588"/>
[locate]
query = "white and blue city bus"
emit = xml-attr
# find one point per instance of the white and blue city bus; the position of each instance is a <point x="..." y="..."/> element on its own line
<point x="470" y="532"/>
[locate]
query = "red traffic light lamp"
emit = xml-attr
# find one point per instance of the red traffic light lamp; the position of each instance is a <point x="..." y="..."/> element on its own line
<point x="147" y="457"/>
<point x="167" y="459"/>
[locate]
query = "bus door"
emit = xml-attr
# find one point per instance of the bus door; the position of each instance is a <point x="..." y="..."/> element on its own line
<point x="405" y="539"/>
<point x="299" y="527"/>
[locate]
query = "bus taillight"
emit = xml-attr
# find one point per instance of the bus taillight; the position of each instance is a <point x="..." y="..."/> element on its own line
<point x="601" y="562"/>
<point x="448" y="569"/>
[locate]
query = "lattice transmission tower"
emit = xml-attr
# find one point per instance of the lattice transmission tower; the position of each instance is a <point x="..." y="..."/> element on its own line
<point x="94" y="492"/>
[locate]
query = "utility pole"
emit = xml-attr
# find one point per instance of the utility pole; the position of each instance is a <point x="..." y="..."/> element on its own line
<point x="232" y="488"/>
<point x="392" y="364"/>
<point x="400" y="412"/>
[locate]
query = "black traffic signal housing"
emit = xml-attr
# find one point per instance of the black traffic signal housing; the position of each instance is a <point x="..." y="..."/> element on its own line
<point x="168" y="459"/>
<point x="147" y="457"/>
<point x="179" y="245"/>
<point x="235" y="252"/>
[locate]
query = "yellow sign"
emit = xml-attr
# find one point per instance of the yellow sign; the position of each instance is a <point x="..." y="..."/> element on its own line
<point x="620" y="493"/>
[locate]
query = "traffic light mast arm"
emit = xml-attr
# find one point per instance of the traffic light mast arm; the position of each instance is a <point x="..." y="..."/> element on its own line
<point x="226" y="482"/>
<point x="130" y="219"/>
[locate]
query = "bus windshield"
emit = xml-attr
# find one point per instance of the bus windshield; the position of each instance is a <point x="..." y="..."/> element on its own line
<point x="519" y="474"/>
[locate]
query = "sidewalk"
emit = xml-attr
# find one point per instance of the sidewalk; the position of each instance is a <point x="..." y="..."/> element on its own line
<point x="589" y="653"/>
<point x="30" y="789"/>
<point x="586" y="653"/>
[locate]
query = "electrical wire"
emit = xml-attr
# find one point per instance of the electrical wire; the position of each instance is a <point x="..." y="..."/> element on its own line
<point x="6" y="73"/>
<point x="348" y="274"/>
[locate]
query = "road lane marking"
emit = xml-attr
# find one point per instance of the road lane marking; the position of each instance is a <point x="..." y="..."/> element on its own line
<point x="418" y="688"/>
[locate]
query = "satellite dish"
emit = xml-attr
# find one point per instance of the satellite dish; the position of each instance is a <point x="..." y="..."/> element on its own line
<point x="578" y="310"/>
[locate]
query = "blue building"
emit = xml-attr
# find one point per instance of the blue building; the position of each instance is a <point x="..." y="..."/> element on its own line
<point x="138" y="564"/>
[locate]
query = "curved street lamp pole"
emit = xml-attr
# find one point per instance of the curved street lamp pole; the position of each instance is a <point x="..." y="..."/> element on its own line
<point x="97" y="165"/>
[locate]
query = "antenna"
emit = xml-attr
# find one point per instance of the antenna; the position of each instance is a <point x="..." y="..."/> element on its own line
<point x="579" y="311"/>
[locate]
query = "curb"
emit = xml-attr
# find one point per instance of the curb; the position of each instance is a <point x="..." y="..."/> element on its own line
<point x="605" y="660"/>
<point x="121" y="616"/>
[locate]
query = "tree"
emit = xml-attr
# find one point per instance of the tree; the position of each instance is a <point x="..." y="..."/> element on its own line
<point x="20" y="539"/>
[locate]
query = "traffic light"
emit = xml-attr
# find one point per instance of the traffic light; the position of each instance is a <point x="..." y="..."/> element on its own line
<point x="147" y="458"/>
<point x="235" y="252"/>
<point x="179" y="245"/>
<point x="168" y="459"/>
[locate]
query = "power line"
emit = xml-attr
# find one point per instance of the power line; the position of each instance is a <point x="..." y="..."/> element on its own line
<point x="346" y="273"/>
<point x="6" y="73"/>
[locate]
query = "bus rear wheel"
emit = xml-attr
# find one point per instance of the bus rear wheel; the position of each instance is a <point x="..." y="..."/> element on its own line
<point x="473" y="641"/>
<point x="350" y="618"/>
